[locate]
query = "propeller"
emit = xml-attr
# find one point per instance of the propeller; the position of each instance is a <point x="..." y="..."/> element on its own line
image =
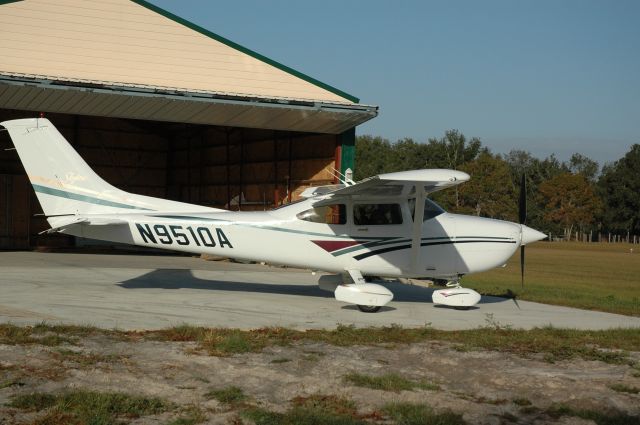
<point x="522" y="216"/>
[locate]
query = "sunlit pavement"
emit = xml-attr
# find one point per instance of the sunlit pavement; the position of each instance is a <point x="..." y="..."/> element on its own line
<point x="151" y="292"/>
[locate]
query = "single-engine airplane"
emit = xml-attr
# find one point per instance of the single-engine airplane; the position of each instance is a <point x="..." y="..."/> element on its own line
<point x="382" y="226"/>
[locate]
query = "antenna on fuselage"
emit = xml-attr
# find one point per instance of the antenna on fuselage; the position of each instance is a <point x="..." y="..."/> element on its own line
<point x="346" y="178"/>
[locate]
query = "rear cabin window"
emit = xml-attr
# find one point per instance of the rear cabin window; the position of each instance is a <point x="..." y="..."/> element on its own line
<point x="376" y="214"/>
<point x="329" y="214"/>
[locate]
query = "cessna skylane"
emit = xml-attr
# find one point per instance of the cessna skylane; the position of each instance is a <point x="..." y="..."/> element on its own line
<point x="383" y="226"/>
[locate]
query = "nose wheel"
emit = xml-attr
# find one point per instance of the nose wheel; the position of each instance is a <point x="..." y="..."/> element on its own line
<point x="456" y="296"/>
<point x="369" y="308"/>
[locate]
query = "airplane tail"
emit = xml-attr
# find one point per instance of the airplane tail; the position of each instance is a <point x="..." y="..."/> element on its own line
<point x="65" y="184"/>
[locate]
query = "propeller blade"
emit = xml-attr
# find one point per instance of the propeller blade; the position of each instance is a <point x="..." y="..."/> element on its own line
<point x="522" y="266"/>
<point x="522" y="207"/>
<point x="522" y="215"/>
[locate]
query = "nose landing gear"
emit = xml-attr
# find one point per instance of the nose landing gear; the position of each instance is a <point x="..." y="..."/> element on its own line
<point x="369" y="308"/>
<point x="455" y="295"/>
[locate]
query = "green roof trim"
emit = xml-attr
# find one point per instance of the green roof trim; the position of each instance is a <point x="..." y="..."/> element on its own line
<point x="347" y="150"/>
<point x="243" y="49"/>
<point x="8" y="1"/>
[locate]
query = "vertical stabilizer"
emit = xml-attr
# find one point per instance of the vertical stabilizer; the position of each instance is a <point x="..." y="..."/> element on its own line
<point x="64" y="183"/>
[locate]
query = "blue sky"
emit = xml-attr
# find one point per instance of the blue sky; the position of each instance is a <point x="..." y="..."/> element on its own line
<point x="544" y="76"/>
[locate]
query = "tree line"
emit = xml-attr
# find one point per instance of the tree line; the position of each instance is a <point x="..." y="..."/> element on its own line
<point x="565" y="198"/>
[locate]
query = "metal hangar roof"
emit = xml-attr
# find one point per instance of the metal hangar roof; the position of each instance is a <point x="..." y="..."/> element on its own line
<point x="131" y="59"/>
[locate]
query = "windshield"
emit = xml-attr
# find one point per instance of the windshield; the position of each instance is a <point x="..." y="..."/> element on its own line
<point x="328" y="214"/>
<point x="431" y="209"/>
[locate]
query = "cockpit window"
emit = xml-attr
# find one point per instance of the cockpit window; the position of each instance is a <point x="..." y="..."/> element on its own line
<point x="328" y="214"/>
<point x="431" y="209"/>
<point x="376" y="214"/>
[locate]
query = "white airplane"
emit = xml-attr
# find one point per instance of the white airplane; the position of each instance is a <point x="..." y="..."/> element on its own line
<point x="381" y="226"/>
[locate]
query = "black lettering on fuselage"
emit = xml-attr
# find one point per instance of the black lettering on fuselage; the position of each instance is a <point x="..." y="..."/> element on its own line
<point x="193" y="235"/>
<point x="206" y="237"/>
<point x="222" y="238"/>
<point x="179" y="237"/>
<point x="163" y="234"/>
<point x="184" y="236"/>
<point x="145" y="232"/>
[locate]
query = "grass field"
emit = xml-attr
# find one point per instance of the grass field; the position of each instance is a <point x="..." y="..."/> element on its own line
<point x="610" y="346"/>
<point x="593" y="276"/>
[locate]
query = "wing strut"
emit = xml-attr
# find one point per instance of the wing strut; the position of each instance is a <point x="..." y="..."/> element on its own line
<point x="416" y="232"/>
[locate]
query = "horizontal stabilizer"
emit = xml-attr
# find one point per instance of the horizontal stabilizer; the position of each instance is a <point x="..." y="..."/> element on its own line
<point x="60" y="224"/>
<point x="63" y="224"/>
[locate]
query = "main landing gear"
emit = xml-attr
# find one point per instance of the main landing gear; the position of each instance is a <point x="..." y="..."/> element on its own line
<point x="352" y="288"/>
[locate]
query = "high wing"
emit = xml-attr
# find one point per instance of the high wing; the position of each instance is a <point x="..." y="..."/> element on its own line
<point x="400" y="185"/>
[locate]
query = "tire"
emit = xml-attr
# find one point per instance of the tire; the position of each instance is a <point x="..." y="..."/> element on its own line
<point x="369" y="308"/>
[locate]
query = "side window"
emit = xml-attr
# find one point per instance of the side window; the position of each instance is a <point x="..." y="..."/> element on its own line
<point x="376" y="214"/>
<point x="329" y="214"/>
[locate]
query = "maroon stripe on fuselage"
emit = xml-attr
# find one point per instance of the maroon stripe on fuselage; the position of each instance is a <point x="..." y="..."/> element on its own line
<point x="331" y="246"/>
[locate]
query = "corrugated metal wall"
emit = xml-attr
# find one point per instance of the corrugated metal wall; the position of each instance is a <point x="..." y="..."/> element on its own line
<point x="213" y="167"/>
<point x="15" y="200"/>
<point x="205" y="165"/>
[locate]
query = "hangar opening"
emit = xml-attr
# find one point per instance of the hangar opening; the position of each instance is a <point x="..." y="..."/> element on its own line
<point x="161" y="107"/>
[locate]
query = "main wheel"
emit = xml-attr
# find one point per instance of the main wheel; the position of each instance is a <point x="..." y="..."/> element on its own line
<point x="368" y="308"/>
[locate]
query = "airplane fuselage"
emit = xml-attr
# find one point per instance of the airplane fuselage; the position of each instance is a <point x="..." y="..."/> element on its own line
<point x="452" y="244"/>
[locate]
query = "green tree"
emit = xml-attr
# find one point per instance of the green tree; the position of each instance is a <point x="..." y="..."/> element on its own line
<point x="452" y="150"/>
<point x="580" y="164"/>
<point x="372" y="156"/>
<point x="489" y="193"/>
<point x="375" y="155"/>
<point x="536" y="172"/>
<point x="407" y="155"/>
<point x="569" y="200"/>
<point x="619" y="186"/>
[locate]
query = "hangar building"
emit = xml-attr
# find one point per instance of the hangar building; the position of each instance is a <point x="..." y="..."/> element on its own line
<point x="162" y="107"/>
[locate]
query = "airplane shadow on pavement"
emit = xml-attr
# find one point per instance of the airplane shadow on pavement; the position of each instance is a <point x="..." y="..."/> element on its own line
<point x="184" y="279"/>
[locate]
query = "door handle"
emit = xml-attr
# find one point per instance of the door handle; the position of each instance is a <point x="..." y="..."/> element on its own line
<point x="362" y="229"/>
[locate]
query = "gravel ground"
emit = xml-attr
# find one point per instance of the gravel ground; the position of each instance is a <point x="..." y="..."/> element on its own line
<point x="485" y="387"/>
